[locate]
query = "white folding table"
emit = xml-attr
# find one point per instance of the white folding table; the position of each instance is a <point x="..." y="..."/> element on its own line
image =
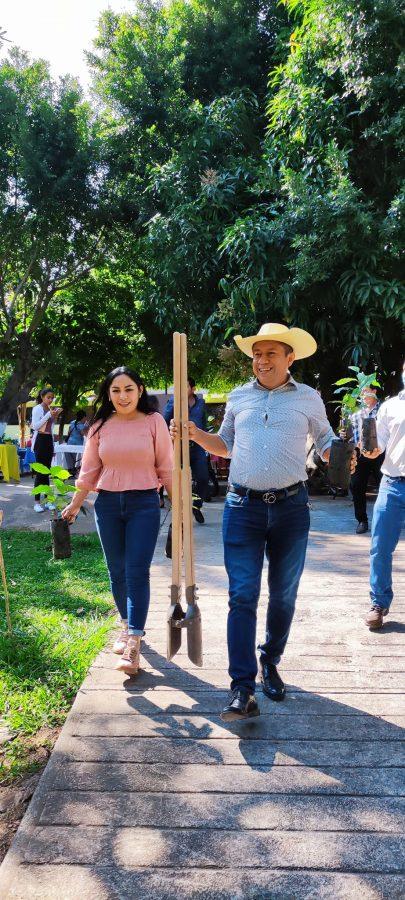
<point x="60" y="450"/>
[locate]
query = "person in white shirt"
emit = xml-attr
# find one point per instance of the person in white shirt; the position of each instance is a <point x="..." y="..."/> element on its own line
<point x="389" y="509"/>
<point x="365" y="467"/>
<point x="43" y="422"/>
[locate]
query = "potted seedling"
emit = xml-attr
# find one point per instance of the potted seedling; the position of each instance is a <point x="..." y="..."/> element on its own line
<point x="58" y="493"/>
<point x="342" y="448"/>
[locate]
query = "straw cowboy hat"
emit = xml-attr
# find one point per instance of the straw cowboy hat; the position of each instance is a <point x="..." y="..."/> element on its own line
<point x="301" y="341"/>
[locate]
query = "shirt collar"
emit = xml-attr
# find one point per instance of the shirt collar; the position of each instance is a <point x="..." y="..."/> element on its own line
<point x="373" y="411"/>
<point x="290" y="381"/>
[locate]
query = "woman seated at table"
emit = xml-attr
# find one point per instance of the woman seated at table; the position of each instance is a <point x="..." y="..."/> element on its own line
<point x="76" y="434"/>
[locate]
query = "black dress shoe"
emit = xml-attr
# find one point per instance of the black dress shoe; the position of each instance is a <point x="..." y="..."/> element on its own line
<point x="362" y="527"/>
<point x="198" y="515"/>
<point x="242" y="705"/>
<point x="273" y="686"/>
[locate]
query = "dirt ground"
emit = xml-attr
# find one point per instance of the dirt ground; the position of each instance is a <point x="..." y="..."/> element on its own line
<point x="14" y="798"/>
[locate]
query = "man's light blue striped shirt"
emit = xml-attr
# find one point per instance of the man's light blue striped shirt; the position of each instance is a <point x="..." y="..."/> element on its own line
<point x="266" y="431"/>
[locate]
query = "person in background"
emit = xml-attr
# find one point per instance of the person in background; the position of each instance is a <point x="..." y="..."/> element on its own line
<point x="78" y="428"/>
<point x="128" y="454"/>
<point x="365" y="467"/>
<point x="197" y="413"/>
<point x="43" y="423"/>
<point x="389" y="509"/>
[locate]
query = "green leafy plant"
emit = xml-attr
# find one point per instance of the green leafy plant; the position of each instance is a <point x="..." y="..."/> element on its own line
<point x="351" y="399"/>
<point x="57" y="492"/>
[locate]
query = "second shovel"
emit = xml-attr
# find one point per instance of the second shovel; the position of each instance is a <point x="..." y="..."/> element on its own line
<point x="192" y="619"/>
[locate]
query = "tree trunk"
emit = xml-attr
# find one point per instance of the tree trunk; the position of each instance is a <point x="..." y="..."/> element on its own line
<point x="20" y="382"/>
<point x="69" y="400"/>
<point x="62" y="422"/>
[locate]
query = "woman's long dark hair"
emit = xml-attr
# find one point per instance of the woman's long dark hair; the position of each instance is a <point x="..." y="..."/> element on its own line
<point x="103" y="407"/>
<point x="43" y="394"/>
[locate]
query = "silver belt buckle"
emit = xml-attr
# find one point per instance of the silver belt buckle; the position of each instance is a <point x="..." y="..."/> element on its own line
<point x="269" y="497"/>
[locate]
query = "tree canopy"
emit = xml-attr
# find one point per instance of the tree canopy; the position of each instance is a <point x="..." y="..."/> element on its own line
<point x="52" y="229"/>
<point x="241" y="161"/>
<point x="276" y="194"/>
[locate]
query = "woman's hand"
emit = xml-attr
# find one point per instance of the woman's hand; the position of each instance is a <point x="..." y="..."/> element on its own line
<point x="71" y="512"/>
<point x="56" y="412"/>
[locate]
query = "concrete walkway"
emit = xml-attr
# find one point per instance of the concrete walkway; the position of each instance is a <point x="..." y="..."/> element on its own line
<point x="149" y="796"/>
<point x="17" y="503"/>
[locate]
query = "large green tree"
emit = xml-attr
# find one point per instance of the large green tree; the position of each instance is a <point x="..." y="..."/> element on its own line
<point x="322" y="247"/>
<point x="291" y="212"/>
<point x="244" y="165"/>
<point x="184" y="87"/>
<point x="93" y="329"/>
<point x="53" y="213"/>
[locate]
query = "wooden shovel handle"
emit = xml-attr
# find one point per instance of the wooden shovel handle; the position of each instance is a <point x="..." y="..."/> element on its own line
<point x="5" y="586"/>
<point x="186" y="472"/>
<point x="176" y="487"/>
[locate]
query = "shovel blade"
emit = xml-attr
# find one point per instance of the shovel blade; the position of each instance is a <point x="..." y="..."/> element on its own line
<point x="194" y="638"/>
<point x="175" y="614"/>
<point x="192" y="622"/>
<point x="173" y="639"/>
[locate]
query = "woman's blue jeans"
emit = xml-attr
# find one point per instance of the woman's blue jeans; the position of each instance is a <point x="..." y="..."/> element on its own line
<point x="388" y="519"/>
<point x="128" y="526"/>
<point x="252" y="528"/>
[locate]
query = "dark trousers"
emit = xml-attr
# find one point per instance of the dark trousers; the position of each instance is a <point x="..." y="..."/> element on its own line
<point x="128" y="526"/>
<point x="199" y="469"/>
<point x="252" y="528"/>
<point x="359" y="481"/>
<point x="43" y="449"/>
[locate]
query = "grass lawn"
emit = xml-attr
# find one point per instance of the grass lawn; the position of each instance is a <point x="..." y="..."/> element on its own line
<point x="61" y="612"/>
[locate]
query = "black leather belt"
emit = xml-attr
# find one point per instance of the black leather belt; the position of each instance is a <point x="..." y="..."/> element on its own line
<point x="267" y="496"/>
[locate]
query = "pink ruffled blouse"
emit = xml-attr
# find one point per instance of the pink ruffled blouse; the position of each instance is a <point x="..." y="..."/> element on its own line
<point x="133" y="455"/>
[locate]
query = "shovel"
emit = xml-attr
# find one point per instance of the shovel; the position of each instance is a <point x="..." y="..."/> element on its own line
<point x="5" y="587"/>
<point x="192" y="618"/>
<point x="176" y="613"/>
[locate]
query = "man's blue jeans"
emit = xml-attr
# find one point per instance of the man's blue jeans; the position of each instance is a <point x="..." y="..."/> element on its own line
<point x="388" y="519"/>
<point x="128" y="526"/>
<point x="250" y="529"/>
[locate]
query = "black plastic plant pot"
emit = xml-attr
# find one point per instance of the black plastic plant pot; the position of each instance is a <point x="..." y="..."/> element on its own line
<point x="61" y="544"/>
<point x="369" y="435"/>
<point x="339" y="463"/>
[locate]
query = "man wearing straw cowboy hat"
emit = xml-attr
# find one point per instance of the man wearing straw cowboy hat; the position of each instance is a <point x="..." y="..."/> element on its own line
<point x="264" y="431"/>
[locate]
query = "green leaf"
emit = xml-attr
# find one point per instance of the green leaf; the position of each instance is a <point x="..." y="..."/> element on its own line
<point x="39" y="467"/>
<point x="61" y="486"/>
<point x="41" y="489"/>
<point x="59" y="472"/>
<point x="354" y="368"/>
<point x="344" y="380"/>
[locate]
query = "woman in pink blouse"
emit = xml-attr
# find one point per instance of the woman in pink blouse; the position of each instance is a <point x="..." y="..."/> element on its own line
<point x="128" y="454"/>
